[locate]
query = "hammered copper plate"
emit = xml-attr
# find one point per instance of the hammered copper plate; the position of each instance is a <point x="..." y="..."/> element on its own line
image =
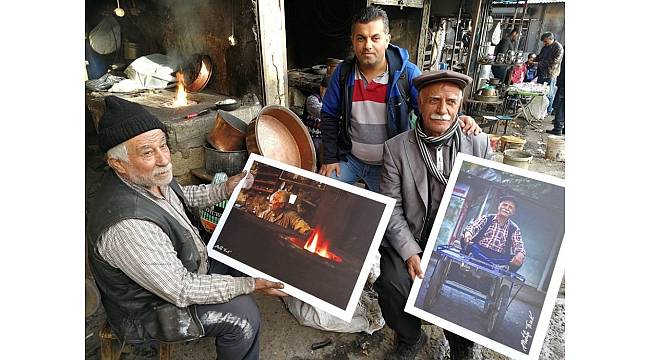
<point x="281" y="146"/>
<point x="278" y="133"/>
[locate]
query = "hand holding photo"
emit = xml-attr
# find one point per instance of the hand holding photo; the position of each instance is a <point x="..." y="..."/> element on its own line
<point x="493" y="262"/>
<point x="307" y="231"/>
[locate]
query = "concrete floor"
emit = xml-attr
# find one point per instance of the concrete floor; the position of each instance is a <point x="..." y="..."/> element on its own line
<point x="284" y="338"/>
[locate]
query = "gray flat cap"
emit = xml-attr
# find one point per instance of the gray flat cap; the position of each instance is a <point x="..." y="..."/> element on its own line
<point x="431" y="77"/>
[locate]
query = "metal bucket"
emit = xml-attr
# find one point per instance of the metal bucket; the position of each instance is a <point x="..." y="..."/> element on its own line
<point x="131" y="51"/>
<point x="555" y="148"/>
<point x="230" y="162"/>
<point x="517" y="158"/>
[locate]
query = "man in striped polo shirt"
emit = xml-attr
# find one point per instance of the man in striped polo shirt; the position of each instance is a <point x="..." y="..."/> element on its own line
<point x="372" y="107"/>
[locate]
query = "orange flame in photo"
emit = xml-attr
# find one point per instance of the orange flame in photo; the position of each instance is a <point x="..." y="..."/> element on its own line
<point x="181" y="92"/>
<point x="320" y="248"/>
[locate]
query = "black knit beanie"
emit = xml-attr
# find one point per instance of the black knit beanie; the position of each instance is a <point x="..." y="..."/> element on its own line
<point x="122" y="121"/>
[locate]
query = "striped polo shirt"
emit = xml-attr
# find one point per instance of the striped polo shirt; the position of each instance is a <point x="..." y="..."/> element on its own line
<point x="368" y="117"/>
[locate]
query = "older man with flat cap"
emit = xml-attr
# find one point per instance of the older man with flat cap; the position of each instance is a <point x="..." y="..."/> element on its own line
<point x="147" y="253"/>
<point x="416" y="167"/>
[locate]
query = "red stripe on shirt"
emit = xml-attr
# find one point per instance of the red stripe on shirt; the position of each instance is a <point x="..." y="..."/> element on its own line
<point x="373" y="92"/>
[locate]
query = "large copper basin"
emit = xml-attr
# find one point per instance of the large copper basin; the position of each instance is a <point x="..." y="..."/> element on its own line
<point x="278" y="133"/>
<point x="228" y="133"/>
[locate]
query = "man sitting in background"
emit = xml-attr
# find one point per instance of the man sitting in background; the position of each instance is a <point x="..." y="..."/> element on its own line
<point x="311" y="117"/>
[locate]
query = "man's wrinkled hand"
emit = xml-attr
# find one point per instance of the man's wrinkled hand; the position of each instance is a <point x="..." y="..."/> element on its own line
<point x="269" y="287"/>
<point x="413" y="267"/>
<point x="232" y="181"/>
<point x="326" y="169"/>
<point x="518" y="259"/>
<point x="469" y="126"/>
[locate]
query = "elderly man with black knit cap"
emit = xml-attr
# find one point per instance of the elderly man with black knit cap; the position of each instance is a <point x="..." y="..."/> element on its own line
<point x="147" y="253"/>
<point x="415" y="171"/>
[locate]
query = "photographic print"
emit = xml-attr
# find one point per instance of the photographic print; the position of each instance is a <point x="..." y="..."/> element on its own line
<point x="492" y="262"/>
<point x="311" y="232"/>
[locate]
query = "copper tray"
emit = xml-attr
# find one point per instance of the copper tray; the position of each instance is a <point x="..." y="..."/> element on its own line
<point x="278" y="133"/>
<point x="228" y="133"/>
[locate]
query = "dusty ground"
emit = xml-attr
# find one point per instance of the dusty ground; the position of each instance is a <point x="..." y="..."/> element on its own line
<point x="284" y="338"/>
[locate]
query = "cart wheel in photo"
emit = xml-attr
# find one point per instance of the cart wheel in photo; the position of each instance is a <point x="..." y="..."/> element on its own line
<point x="490" y="298"/>
<point x="495" y="317"/>
<point x="437" y="279"/>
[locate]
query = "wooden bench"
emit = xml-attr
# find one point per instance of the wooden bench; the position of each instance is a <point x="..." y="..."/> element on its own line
<point x="107" y="337"/>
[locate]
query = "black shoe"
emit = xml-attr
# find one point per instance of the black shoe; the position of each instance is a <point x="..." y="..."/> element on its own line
<point x="408" y="352"/>
<point x="555" y="131"/>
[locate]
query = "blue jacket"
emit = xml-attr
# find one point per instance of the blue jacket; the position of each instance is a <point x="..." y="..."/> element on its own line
<point x="335" y="114"/>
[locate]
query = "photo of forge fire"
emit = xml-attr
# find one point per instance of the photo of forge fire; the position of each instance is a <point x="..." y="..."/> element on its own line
<point x="317" y="240"/>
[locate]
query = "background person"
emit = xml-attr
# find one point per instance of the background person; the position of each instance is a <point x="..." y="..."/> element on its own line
<point x="548" y="65"/>
<point x="506" y="44"/>
<point x="531" y="68"/>
<point x="311" y="117"/>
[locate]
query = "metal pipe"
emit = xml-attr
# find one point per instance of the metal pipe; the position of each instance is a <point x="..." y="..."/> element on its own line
<point x="453" y="49"/>
<point x="482" y="40"/>
<point x="523" y="16"/>
<point x="514" y="17"/>
<point x="477" y="16"/>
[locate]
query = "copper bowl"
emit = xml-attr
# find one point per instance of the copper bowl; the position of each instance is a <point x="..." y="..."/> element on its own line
<point x="278" y="133"/>
<point x="228" y="133"/>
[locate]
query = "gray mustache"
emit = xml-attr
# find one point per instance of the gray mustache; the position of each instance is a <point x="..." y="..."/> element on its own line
<point x="163" y="169"/>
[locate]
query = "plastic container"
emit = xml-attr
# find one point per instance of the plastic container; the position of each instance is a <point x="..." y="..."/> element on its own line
<point x="511" y="142"/>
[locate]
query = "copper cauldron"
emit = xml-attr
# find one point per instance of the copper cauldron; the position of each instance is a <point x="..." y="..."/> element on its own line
<point x="228" y="133"/>
<point x="278" y="133"/>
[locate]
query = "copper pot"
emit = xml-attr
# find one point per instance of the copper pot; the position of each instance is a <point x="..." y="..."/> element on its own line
<point x="278" y="133"/>
<point x="198" y="72"/>
<point x="228" y="133"/>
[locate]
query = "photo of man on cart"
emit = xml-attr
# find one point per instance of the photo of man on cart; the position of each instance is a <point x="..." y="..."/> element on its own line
<point x="492" y="258"/>
<point x="495" y="238"/>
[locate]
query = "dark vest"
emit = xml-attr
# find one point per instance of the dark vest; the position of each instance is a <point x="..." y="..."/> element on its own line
<point x="134" y="313"/>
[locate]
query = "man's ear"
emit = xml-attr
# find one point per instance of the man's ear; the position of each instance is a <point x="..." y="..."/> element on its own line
<point x="117" y="165"/>
<point x="388" y="38"/>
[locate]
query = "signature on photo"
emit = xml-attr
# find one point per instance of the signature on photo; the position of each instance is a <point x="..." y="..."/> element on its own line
<point x="525" y="333"/>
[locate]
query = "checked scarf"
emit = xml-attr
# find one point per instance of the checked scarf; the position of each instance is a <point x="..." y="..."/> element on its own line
<point x="452" y="134"/>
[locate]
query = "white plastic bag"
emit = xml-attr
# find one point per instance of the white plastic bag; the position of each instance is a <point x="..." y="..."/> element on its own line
<point x="153" y="71"/>
<point x="537" y="107"/>
<point x="105" y="38"/>
<point x="367" y="316"/>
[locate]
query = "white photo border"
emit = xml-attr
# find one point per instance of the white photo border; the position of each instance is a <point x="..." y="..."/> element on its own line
<point x="554" y="285"/>
<point x="343" y="314"/>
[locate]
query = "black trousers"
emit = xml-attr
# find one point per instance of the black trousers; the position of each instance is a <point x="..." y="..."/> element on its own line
<point x="235" y="325"/>
<point x="558" y="107"/>
<point x="393" y="286"/>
